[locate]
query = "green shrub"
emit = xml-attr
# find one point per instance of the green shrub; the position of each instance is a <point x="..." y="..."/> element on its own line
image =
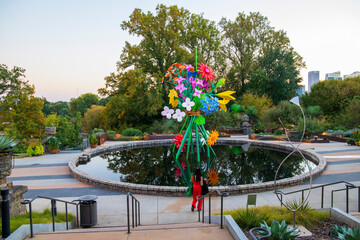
<point x="350" y="141"/>
<point x="278" y="132"/>
<point x="294" y="204"/>
<point x="165" y="126"/>
<point x="248" y="218"/>
<point x="126" y="138"/>
<point x="53" y="143"/>
<point x="29" y="151"/>
<point x="130" y="132"/>
<point x="279" y="231"/>
<point x="36" y="150"/>
<point x="92" y="138"/>
<point x="98" y="130"/>
<point x="344" y="233"/>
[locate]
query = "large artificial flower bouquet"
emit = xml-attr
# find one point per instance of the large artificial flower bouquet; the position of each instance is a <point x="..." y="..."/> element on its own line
<point x="194" y="94"/>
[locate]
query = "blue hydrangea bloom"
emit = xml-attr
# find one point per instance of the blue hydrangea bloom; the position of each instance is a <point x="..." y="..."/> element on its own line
<point x="210" y="104"/>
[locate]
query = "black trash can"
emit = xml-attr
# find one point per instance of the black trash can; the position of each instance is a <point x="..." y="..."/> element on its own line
<point x="88" y="210"/>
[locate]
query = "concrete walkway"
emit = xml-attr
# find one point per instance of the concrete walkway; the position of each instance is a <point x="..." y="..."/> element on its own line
<point x="48" y="175"/>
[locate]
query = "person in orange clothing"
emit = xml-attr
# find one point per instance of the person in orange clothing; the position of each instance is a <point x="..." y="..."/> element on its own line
<point x="197" y="181"/>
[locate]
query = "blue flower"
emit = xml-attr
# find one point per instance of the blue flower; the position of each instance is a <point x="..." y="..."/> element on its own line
<point x="210" y="104"/>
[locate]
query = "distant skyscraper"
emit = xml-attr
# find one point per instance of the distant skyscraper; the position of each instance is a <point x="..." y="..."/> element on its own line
<point x="313" y="77"/>
<point x="301" y="90"/>
<point x="354" y="74"/>
<point x="334" y="75"/>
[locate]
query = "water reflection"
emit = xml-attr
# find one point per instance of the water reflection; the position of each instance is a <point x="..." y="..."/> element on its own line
<point x="155" y="166"/>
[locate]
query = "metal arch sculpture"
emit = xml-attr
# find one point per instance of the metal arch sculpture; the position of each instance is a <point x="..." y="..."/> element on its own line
<point x="246" y="146"/>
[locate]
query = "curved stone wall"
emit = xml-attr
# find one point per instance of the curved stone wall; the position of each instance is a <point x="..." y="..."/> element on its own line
<point x="180" y="191"/>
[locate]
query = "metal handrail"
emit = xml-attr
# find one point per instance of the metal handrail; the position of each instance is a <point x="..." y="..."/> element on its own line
<point x="347" y="196"/>
<point x="53" y="213"/>
<point x="136" y="216"/>
<point x="222" y="195"/>
<point x="347" y="184"/>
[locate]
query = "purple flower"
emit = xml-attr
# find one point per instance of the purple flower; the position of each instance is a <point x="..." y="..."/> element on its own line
<point x="180" y="80"/>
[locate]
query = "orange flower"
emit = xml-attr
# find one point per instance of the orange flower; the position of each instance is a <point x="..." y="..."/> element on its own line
<point x="212" y="138"/>
<point x="213" y="177"/>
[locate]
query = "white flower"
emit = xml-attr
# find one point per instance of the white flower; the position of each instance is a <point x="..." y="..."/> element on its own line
<point x="188" y="104"/>
<point x="203" y="141"/>
<point x="179" y="115"/>
<point x="167" y="112"/>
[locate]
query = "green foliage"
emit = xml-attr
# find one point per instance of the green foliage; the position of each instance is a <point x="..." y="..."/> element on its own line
<point x="288" y="113"/>
<point x="245" y="40"/>
<point x="350" y="116"/>
<point x="52" y="120"/>
<point x="5" y="143"/>
<point x="313" y="111"/>
<point x="93" y="118"/>
<point x="68" y="132"/>
<point x="278" y="132"/>
<point x="280" y="231"/>
<point x="344" y="233"/>
<point x="313" y="126"/>
<point x="38" y="217"/>
<point x="222" y="120"/>
<point x="261" y="103"/>
<point x="60" y="108"/>
<point x="248" y="218"/>
<point x="92" y="138"/>
<point x="11" y="80"/>
<point x="165" y="126"/>
<point x="277" y="75"/>
<point x="82" y="103"/>
<point x="53" y="143"/>
<point x="36" y="150"/>
<point x="350" y="141"/>
<point x="125" y="138"/>
<point x="294" y="204"/>
<point x="130" y="132"/>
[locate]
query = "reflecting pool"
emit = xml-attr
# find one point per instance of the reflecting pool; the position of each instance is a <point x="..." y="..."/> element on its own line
<point x="156" y="166"/>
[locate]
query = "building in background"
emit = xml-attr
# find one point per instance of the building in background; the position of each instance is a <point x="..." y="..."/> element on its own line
<point x="354" y="74"/>
<point x="334" y="75"/>
<point x="313" y="77"/>
<point x="301" y="90"/>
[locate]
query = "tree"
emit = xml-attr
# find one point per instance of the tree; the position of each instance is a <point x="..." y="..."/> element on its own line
<point x="60" y="108"/>
<point x="93" y="118"/>
<point x="287" y="112"/>
<point x="138" y="101"/>
<point x="260" y="103"/>
<point x="246" y="39"/>
<point x="20" y="111"/>
<point x="277" y="76"/>
<point x="350" y="116"/>
<point x="69" y="130"/>
<point x="82" y="103"/>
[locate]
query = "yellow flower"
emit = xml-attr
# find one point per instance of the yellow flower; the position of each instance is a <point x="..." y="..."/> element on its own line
<point x="226" y="95"/>
<point x="174" y="102"/>
<point x="222" y="104"/>
<point x="212" y="138"/>
<point x="213" y="177"/>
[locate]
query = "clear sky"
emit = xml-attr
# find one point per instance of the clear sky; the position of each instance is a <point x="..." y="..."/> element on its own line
<point x="67" y="47"/>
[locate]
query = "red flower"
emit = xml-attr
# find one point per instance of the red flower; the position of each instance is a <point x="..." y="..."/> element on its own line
<point x="178" y="171"/>
<point x="178" y="140"/>
<point x="206" y="72"/>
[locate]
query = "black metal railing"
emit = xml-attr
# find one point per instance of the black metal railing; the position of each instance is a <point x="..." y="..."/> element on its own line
<point x="135" y="211"/>
<point x="53" y="211"/>
<point x="347" y="184"/>
<point x="222" y="195"/>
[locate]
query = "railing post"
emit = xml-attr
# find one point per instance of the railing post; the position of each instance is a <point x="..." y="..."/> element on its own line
<point x="132" y="209"/>
<point x="198" y="209"/>
<point x="358" y="199"/>
<point x="203" y="209"/>
<point x="281" y="200"/>
<point x="66" y="213"/>
<point x="31" y="221"/>
<point x="77" y="215"/>
<point x="302" y="196"/>
<point x="332" y="198"/>
<point x="322" y="196"/>
<point x="5" y="212"/>
<point x="136" y="203"/>
<point x="139" y="213"/>
<point x="53" y="213"/>
<point x="222" y="213"/>
<point x="347" y="199"/>
<point x="128" y="213"/>
<point x="210" y="208"/>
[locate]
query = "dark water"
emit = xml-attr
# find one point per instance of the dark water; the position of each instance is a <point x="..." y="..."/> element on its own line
<point x="156" y="166"/>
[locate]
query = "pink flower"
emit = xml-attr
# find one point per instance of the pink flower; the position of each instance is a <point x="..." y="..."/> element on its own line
<point x="180" y="88"/>
<point x="197" y="93"/>
<point x="180" y="80"/>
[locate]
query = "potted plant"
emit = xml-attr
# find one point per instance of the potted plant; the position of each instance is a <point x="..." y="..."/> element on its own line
<point x="6" y="144"/>
<point x="53" y="143"/>
<point x="93" y="141"/>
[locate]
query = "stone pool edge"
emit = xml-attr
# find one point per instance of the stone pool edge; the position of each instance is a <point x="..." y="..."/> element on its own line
<point x="180" y="191"/>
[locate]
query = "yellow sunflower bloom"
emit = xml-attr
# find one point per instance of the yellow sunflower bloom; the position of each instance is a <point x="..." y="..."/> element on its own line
<point x="226" y="95"/>
<point x="174" y="102"/>
<point x="213" y="177"/>
<point x="222" y="104"/>
<point x="212" y="138"/>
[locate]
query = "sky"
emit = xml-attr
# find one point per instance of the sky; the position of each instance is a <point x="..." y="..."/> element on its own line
<point x="67" y="47"/>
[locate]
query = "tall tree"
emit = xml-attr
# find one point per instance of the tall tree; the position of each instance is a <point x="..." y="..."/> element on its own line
<point x="246" y="39"/>
<point x="11" y="80"/>
<point x="82" y="103"/>
<point x="276" y="76"/>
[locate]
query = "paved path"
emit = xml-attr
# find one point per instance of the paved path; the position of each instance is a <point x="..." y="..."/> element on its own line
<point x="48" y="175"/>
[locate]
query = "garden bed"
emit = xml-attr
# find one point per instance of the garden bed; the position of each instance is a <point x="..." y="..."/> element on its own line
<point x="274" y="138"/>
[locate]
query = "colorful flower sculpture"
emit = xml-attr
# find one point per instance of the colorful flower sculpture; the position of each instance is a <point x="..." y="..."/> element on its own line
<point x="213" y="177"/>
<point x="194" y="94"/>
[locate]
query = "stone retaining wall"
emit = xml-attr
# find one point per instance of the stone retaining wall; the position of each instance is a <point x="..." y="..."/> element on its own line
<point x="180" y="191"/>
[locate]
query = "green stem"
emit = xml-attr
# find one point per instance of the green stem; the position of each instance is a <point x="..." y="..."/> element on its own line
<point x="197" y="145"/>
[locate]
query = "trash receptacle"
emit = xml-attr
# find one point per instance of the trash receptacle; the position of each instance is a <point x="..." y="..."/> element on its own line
<point x="88" y="210"/>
